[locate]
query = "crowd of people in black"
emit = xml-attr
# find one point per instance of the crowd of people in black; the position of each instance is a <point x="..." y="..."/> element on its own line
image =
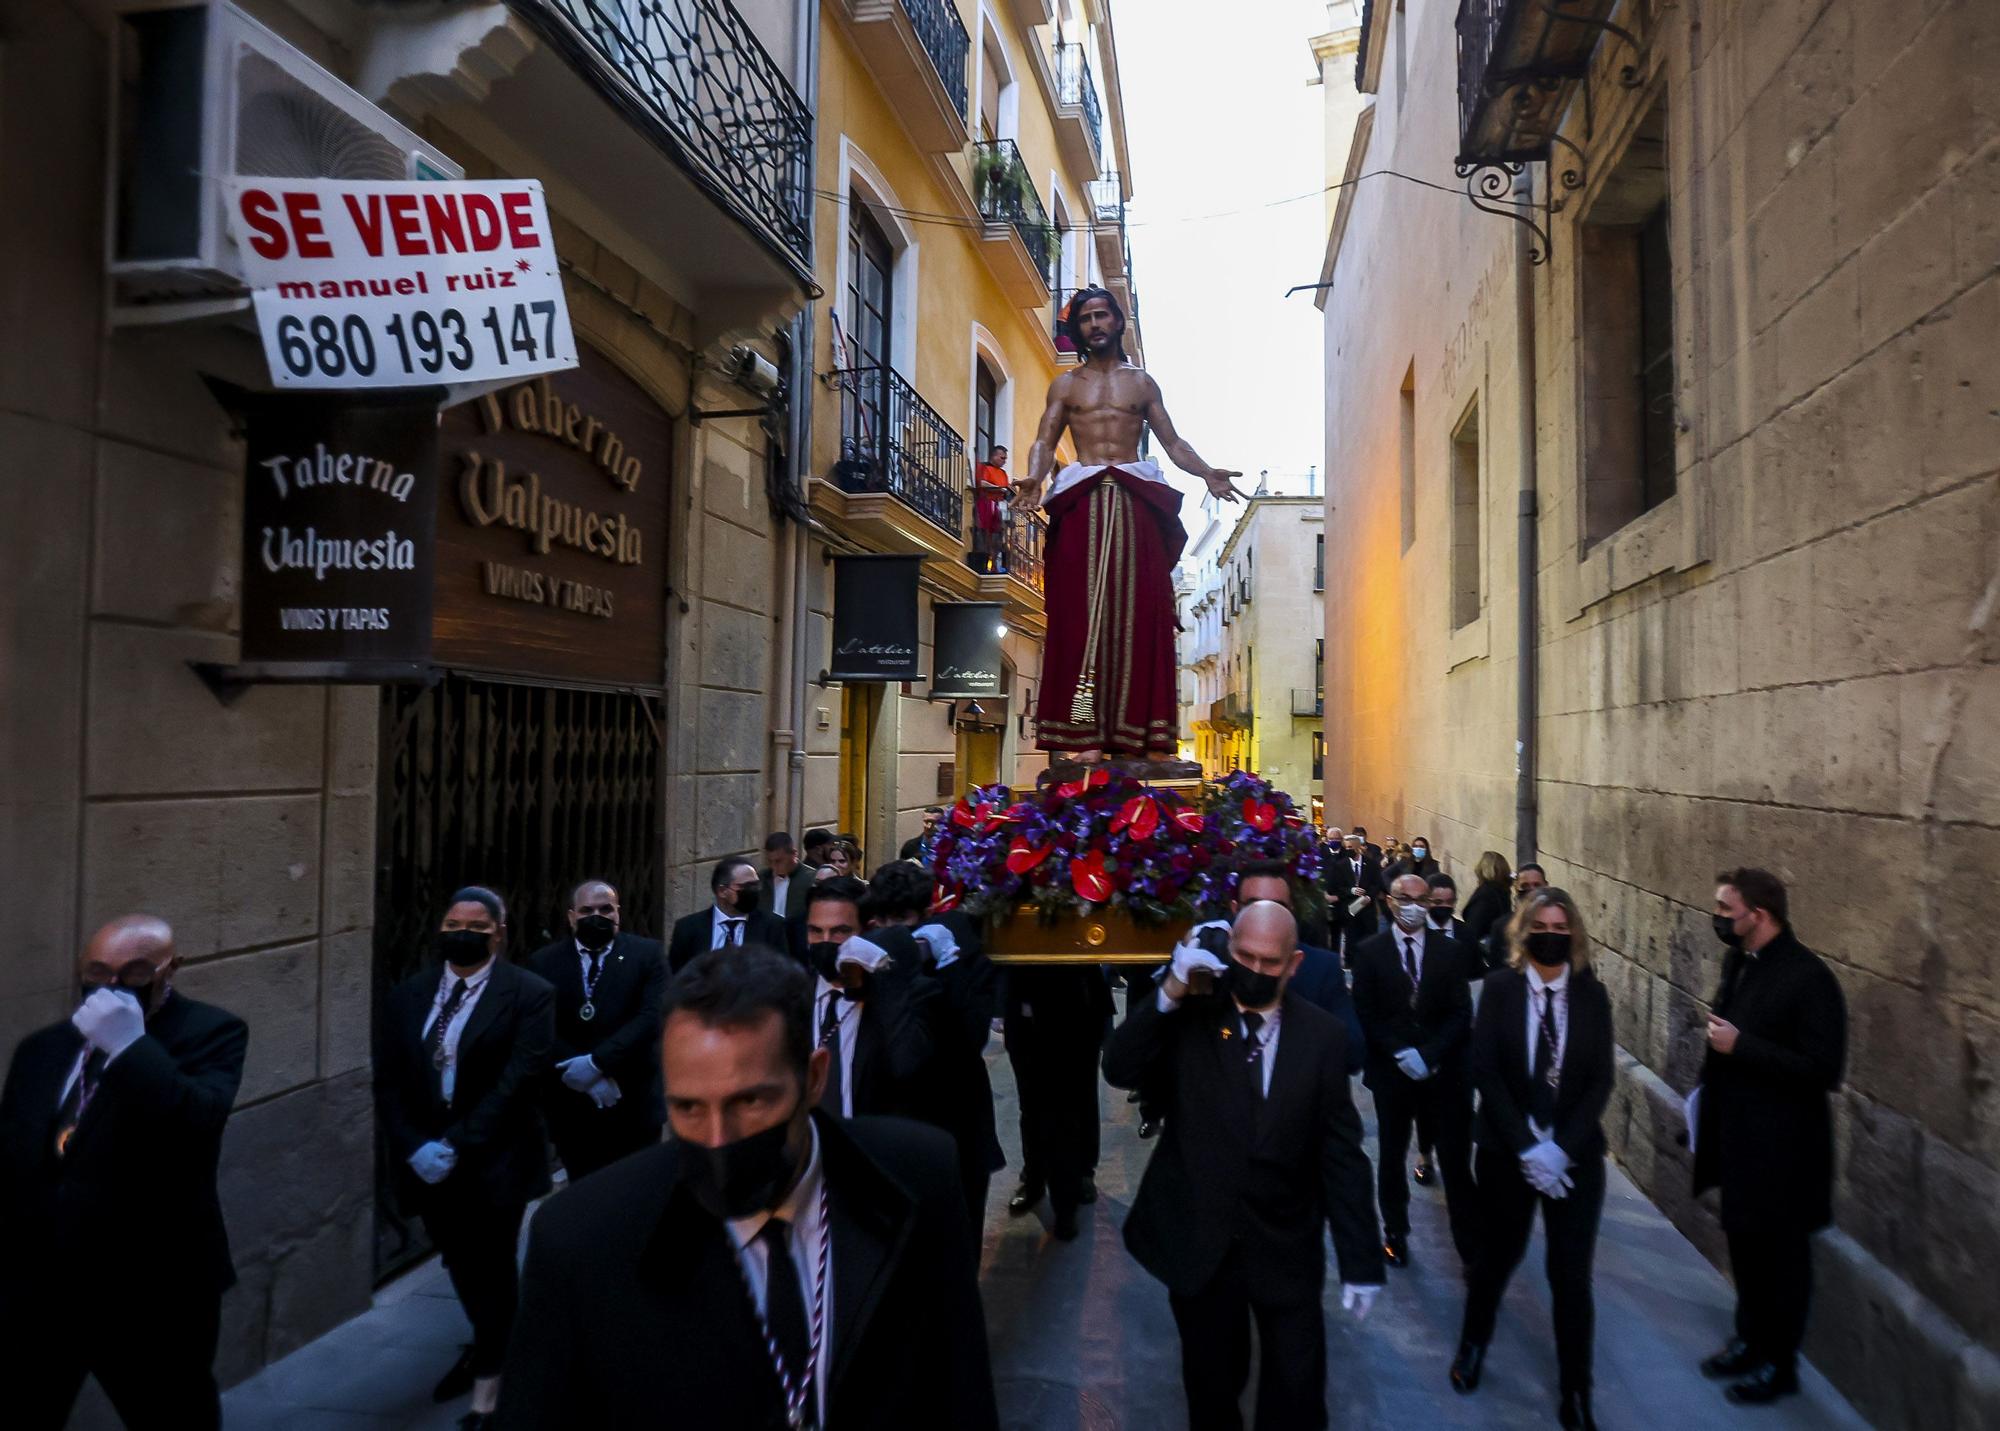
<point x="778" y="1136"/>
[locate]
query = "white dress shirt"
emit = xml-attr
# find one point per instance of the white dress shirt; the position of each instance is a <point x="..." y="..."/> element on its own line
<point x="1558" y="987"/>
<point x="585" y="958"/>
<point x="781" y="886"/>
<point x="475" y="985"/>
<point x="801" y="1210"/>
<point x="720" y="932"/>
<point x="1416" y="937"/>
<point x="850" y="1034"/>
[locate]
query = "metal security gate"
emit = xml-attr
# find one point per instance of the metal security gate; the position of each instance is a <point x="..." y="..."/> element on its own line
<point x="525" y="789"/>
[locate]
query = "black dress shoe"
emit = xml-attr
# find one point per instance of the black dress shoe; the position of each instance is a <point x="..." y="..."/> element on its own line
<point x="1086" y="1191"/>
<point x="1574" y="1411"/>
<point x="1465" y="1370"/>
<point x="1423" y="1173"/>
<point x="1732" y="1360"/>
<point x="1763" y="1385"/>
<point x="1149" y="1127"/>
<point x="1396" y="1250"/>
<point x="1065" y="1227"/>
<point x="457" y="1382"/>
<point x="1024" y="1198"/>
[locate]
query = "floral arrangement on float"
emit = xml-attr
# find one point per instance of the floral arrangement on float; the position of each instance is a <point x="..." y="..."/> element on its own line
<point x="1110" y="841"/>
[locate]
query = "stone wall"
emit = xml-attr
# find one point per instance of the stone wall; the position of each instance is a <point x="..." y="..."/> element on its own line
<point x="1791" y="662"/>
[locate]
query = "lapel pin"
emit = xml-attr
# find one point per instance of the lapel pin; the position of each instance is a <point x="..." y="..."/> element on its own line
<point x="1225" y="1031"/>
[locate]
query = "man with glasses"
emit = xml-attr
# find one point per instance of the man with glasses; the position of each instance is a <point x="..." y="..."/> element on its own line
<point x="602" y="1097"/>
<point x="110" y="1133"/>
<point x="1416" y="1008"/>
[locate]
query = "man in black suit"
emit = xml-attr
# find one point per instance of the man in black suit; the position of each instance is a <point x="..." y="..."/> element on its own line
<point x="110" y="1132"/>
<point x="1777" y="1042"/>
<point x="1416" y="1007"/>
<point x="872" y="1012"/>
<point x="1056" y="1017"/>
<point x="1262" y="1150"/>
<point x="602" y="1097"/>
<point x="918" y="847"/>
<point x="1354" y="875"/>
<point x="736" y="919"/>
<point x="1320" y="979"/>
<point x="688" y="1285"/>
<point x="460" y="1060"/>
<point x="957" y="1094"/>
<point x="785" y="886"/>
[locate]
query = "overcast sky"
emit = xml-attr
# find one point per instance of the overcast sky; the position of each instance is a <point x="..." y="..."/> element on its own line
<point x="1221" y="116"/>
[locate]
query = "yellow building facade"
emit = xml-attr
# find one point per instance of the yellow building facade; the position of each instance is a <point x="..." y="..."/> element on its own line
<point x="970" y="175"/>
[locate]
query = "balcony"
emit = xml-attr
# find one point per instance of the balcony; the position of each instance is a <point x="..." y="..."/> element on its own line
<point x="894" y="445"/>
<point x="1018" y="583"/>
<point x="1232" y="712"/>
<point x="1518" y="61"/>
<point x="669" y="120"/>
<point x="1019" y="240"/>
<point x="1079" y="116"/>
<point x="1107" y="212"/>
<point x="1308" y="703"/>
<point x="917" y="50"/>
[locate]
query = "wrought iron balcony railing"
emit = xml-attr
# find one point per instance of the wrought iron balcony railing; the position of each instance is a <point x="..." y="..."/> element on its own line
<point x="1022" y="544"/>
<point x="1517" y="62"/>
<point x="1308" y="703"/>
<point x="694" y="73"/>
<point x="1076" y="85"/>
<point x="1006" y="193"/>
<point x="942" y="34"/>
<point x="893" y="441"/>
<point x="1107" y="200"/>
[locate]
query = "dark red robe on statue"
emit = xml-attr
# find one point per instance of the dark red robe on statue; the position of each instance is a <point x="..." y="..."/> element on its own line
<point x="1108" y="662"/>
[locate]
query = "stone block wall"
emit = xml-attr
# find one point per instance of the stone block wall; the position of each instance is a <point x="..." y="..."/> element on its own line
<point x="1791" y="662"/>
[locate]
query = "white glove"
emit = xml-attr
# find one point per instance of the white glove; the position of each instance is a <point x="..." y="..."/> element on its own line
<point x="1359" y="1298"/>
<point x="863" y="954"/>
<point x="1413" y="1065"/>
<point x="434" y="1161"/>
<point x="605" y="1092"/>
<point x="110" y="1020"/>
<point x="1190" y="956"/>
<point x="579" y="1073"/>
<point x="1546" y="1167"/>
<point x="943" y="947"/>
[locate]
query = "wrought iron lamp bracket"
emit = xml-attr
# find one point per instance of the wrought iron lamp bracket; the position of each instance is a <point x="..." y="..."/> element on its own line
<point x="1569" y="178"/>
<point x="1628" y="75"/>
<point x="1485" y="183"/>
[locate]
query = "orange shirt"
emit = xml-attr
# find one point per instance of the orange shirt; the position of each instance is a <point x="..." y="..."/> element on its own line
<point x="991" y="475"/>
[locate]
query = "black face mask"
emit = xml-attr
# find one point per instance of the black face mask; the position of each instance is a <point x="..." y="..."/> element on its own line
<point x="1725" y="930"/>
<point x="824" y="958"/>
<point x="596" y="931"/>
<point x="464" y="947"/>
<point x="1441" y="918"/>
<point x="748" y="898"/>
<point x="143" y="993"/>
<point x="1251" y="989"/>
<point x="1548" y="949"/>
<point x="743" y="1177"/>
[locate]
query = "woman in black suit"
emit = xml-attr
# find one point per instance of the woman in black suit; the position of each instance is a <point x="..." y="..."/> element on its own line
<point x="1541" y="1058"/>
<point x="462" y="1052"/>
<point x="1488" y="904"/>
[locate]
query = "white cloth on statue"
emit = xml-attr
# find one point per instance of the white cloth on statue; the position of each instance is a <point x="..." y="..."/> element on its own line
<point x="1078" y="472"/>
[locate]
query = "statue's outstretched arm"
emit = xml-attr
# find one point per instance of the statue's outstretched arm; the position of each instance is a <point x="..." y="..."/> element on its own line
<point x="1042" y="456"/>
<point x="1182" y="452"/>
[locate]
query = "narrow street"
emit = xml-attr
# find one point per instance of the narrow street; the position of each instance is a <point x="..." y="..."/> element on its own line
<point x="1083" y="1339"/>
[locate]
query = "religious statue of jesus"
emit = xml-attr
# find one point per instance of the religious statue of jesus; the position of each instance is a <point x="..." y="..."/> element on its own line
<point x="1108" y="665"/>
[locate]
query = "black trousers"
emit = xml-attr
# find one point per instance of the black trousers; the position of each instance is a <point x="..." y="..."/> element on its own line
<point x="159" y="1375"/>
<point x="1057" y="1081"/>
<point x="1215" y="1355"/>
<point x="1446" y="1099"/>
<point x="588" y="1137"/>
<point x="1773" y="1268"/>
<point x="477" y="1241"/>
<point x="1507" y="1207"/>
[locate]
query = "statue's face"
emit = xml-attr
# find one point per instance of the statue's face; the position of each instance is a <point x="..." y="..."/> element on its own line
<point x="1099" y="325"/>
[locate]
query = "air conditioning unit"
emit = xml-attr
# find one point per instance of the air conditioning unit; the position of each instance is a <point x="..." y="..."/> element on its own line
<point x="206" y="93"/>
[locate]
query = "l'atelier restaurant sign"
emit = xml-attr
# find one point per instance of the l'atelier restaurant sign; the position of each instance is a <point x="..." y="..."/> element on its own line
<point x="552" y="529"/>
<point x="965" y="650"/>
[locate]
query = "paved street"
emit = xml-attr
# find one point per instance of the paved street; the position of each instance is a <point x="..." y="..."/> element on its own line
<point x="1084" y="1341"/>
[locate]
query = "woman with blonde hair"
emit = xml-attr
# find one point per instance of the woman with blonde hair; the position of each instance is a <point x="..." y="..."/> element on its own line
<point x="1541" y="1059"/>
<point x="1488" y="904"/>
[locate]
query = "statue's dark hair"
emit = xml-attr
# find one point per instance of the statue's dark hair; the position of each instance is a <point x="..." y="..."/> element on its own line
<point x="1072" y="324"/>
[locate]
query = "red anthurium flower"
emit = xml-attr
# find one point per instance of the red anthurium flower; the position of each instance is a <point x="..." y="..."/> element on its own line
<point x="1259" y="816"/>
<point x="1147" y="821"/>
<point x="966" y="814"/>
<point x="1189" y="820"/>
<point x="945" y="904"/>
<point x="1090" y="878"/>
<point x="1096" y="780"/>
<point x="1295" y="821"/>
<point x="1019" y="810"/>
<point x="1023" y="856"/>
